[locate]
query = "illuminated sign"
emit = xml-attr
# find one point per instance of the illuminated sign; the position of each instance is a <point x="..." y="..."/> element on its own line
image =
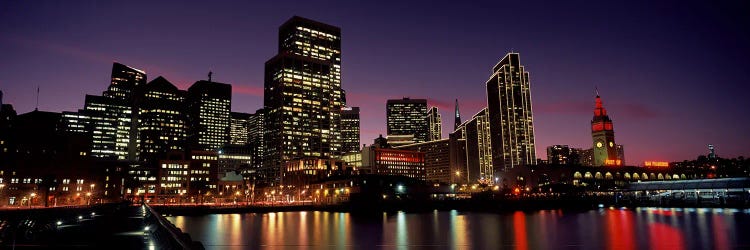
<point x="609" y="162"/>
<point x="656" y="164"/>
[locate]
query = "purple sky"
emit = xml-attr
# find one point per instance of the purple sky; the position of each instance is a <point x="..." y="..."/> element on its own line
<point x="673" y="75"/>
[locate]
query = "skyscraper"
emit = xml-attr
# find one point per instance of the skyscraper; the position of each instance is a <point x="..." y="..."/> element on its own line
<point x="302" y="95"/>
<point x="407" y="117"/>
<point x="209" y="104"/>
<point x="350" y="129"/>
<point x="476" y="163"/>
<point x="109" y="122"/>
<point x="161" y="120"/>
<point x="457" y="116"/>
<point x="603" y="135"/>
<point x="434" y="124"/>
<point x="110" y="119"/>
<point x="239" y="125"/>
<point x="125" y="80"/>
<point x="255" y="137"/>
<point x="509" y="106"/>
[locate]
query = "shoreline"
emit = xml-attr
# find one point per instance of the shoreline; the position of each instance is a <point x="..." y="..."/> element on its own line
<point x="417" y="207"/>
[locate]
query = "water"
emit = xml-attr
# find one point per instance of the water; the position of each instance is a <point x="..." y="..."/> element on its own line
<point x="608" y="228"/>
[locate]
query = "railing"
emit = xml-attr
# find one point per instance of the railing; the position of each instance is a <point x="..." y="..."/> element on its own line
<point x="167" y="235"/>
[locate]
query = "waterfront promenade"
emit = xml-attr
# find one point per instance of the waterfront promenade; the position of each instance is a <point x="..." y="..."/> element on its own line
<point x="103" y="226"/>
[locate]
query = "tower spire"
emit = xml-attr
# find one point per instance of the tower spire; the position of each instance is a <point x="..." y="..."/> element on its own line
<point x="37" y="98"/>
<point x="596" y="90"/>
<point x="458" y="117"/>
<point x="209" y="75"/>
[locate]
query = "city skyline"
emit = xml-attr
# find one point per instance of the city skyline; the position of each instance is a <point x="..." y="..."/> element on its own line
<point x="645" y="115"/>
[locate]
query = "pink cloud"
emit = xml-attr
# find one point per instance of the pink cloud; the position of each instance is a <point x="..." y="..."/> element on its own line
<point x="247" y="90"/>
<point x="564" y="107"/>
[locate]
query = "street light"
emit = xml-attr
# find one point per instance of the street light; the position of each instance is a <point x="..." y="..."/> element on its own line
<point x="31" y="198"/>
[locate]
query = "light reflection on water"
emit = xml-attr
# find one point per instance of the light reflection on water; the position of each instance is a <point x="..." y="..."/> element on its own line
<point x="608" y="228"/>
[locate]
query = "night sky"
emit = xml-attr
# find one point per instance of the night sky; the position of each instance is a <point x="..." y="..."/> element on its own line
<point x="673" y="75"/>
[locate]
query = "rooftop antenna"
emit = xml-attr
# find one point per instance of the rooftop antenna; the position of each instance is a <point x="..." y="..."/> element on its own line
<point x="37" y="98"/>
<point x="209" y="75"/>
<point x="596" y="90"/>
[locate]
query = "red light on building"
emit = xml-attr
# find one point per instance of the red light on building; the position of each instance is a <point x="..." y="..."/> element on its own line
<point x="610" y="162"/>
<point x="656" y="164"/>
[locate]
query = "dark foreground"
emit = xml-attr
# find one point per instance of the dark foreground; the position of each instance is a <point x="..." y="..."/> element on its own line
<point x="106" y="226"/>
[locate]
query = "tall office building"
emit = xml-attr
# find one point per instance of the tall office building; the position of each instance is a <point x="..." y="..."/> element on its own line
<point x="457" y="116"/>
<point x="473" y="163"/>
<point x="162" y="125"/>
<point x="239" y="125"/>
<point x="109" y="119"/>
<point x="302" y="95"/>
<point x="350" y="129"/>
<point x="125" y="80"/>
<point x="110" y="123"/>
<point x="256" y="132"/>
<point x="603" y="135"/>
<point x="407" y="117"/>
<point x="434" y="124"/>
<point x="509" y="106"/>
<point x="209" y="104"/>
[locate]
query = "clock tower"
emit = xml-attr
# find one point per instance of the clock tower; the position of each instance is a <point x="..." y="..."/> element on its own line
<point x="603" y="134"/>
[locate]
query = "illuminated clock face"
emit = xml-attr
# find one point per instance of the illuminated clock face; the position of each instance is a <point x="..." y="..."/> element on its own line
<point x="598" y="144"/>
<point x="611" y="144"/>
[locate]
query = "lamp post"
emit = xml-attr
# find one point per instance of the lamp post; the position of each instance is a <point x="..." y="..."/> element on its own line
<point x="88" y="195"/>
<point x="31" y="198"/>
<point x="2" y="202"/>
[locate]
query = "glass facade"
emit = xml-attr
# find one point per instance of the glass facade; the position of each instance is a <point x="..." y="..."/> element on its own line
<point x="302" y="95"/>
<point x="239" y="124"/>
<point x="350" y="129"/>
<point x="434" y="124"/>
<point x="209" y="106"/>
<point x="161" y="120"/>
<point x="509" y="106"/>
<point x="407" y="117"/>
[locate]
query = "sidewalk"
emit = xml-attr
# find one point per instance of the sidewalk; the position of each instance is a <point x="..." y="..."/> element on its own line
<point x="111" y="227"/>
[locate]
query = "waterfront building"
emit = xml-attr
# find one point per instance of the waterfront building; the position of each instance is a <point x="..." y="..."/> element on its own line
<point x="209" y="105"/>
<point x="407" y="117"/>
<point x="475" y="163"/>
<point x="236" y="158"/>
<point x="302" y="95"/>
<point x="203" y="172"/>
<point x="436" y="159"/>
<point x="350" y="129"/>
<point x="173" y="175"/>
<point x="434" y="124"/>
<point x="603" y="135"/>
<point x="509" y="106"/>
<point x="389" y="161"/>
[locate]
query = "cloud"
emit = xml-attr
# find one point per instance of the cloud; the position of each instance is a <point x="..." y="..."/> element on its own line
<point x="58" y="48"/>
<point x="635" y="111"/>
<point x="247" y="90"/>
<point x="564" y="107"/>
